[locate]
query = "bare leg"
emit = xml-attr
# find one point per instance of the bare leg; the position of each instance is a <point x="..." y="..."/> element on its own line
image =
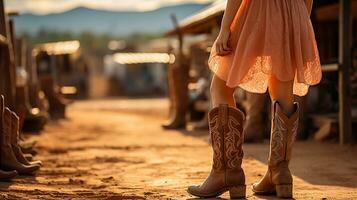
<point x="282" y="91"/>
<point x="221" y="93"/>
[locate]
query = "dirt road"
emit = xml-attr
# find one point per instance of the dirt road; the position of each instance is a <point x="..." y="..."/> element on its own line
<point x="116" y="149"/>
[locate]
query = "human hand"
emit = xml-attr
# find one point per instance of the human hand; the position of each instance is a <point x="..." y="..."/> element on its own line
<point x="222" y="44"/>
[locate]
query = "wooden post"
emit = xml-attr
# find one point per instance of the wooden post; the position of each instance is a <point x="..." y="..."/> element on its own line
<point x="345" y="64"/>
<point x="3" y="45"/>
<point x="2" y="19"/>
<point x="11" y="101"/>
<point x="179" y="34"/>
<point x="7" y="60"/>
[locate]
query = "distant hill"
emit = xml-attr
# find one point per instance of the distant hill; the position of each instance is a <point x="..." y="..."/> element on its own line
<point x="102" y="21"/>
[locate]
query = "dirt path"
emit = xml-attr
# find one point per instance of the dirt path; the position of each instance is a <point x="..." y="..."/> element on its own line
<point x="116" y="149"/>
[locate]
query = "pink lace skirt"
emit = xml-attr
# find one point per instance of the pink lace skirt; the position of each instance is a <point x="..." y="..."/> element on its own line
<point x="270" y="37"/>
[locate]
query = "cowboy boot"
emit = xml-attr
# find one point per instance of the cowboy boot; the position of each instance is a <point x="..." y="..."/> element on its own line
<point x="57" y="104"/>
<point x="15" y="145"/>
<point x="226" y="130"/>
<point x="180" y="97"/>
<point x="31" y="118"/>
<point x="202" y="124"/>
<point x="8" y="158"/>
<point x="254" y="126"/>
<point x="4" y="175"/>
<point x="278" y="178"/>
<point x="7" y="175"/>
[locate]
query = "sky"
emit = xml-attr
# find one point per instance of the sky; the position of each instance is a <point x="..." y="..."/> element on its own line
<point x="51" y="6"/>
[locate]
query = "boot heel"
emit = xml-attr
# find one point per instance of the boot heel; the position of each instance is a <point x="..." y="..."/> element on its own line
<point x="237" y="192"/>
<point x="284" y="191"/>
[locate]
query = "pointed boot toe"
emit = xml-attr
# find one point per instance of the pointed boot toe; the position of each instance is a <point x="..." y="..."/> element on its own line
<point x="37" y="162"/>
<point x="28" y="170"/>
<point x="263" y="190"/>
<point x="7" y="175"/>
<point x="254" y="188"/>
<point x="197" y="191"/>
<point x="193" y="190"/>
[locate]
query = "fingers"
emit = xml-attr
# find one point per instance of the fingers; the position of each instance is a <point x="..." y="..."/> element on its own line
<point x="226" y="47"/>
<point x="222" y="49"/>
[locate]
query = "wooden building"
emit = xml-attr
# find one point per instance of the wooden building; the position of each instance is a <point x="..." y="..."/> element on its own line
<point x="67" y="65"/>
<point x="138" y="73"/>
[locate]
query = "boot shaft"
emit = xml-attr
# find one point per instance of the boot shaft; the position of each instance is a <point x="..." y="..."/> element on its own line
<point x="6" y="131"/>
<point x="226" y="130"/>
<point x="2" y="109"/>
<point x="15" y="124"/>
<point x="283" y="133"/>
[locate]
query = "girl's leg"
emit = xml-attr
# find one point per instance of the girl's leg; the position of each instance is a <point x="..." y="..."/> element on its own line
<point x="285" y="119"/>
<point x="221" y="93"/>
<point x="225" y="121"/>
<point x="282" y="91"/>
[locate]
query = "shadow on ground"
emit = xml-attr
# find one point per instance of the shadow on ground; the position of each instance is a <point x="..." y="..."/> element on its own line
<point x="314" y="162"/>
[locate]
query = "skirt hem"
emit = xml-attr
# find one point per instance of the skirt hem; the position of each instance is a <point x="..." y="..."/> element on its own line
<point x="264" y="87"/>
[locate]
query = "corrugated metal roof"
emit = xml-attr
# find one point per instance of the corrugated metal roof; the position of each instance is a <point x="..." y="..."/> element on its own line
<point x="214" y="10"/>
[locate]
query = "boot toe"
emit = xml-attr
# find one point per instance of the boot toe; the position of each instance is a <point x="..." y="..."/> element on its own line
<point x="37" y="162"/>
<point x="254" y="187"/>
<point x="193" y="189"/>
<point x="12" y="174"/>
<point x="30" y="169"/>
<point x="263" y="189"/>
<point x="8" y="175"/>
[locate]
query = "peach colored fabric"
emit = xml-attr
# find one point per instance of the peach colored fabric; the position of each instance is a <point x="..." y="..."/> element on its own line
<point x="270" y="37"/>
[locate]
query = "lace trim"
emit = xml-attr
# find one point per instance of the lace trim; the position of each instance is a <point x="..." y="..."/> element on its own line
<point x="257" y="77"/>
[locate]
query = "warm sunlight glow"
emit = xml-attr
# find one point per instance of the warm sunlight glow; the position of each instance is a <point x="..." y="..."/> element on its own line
<point x="57" y="48"/>
<point x="139" y="58"/>
<point x="68" y="90"/>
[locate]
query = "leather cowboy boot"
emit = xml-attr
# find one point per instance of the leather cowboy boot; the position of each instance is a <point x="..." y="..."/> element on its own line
<point x="226" y="130"/>
<point x="15" y="145"/>
<point x="8" y="158"/>
<point x="278" y="178"/>
<point x="4" y="175"/>
<point x="254" y="126"/>
<point x="57" y="103"/>
<point x="180" y="97"/>
<point x="31" y="118"/>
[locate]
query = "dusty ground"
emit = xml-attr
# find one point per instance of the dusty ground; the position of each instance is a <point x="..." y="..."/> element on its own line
<point x="115" y="149"/>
